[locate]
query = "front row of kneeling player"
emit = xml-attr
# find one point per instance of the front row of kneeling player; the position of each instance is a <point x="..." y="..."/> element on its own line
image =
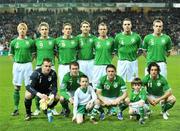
<point x="111" y="93"/>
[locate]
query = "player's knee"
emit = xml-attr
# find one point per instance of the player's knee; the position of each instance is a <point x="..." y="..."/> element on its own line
<point x="79" y="120"/>
<point x="97" y="102"/>
<point x="172" y="99"/>
<point x="130" y="111"/>
<point x="17" y="88"/>
<point x="141" y="104"/>
<point x="28" y="95"/>
<point x="127" y="100"/>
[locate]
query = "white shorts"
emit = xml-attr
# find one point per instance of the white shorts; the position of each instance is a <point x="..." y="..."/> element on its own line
<point x="163" y="68"/>
<point x="86" y="66"/>
<point x="128" y="70"/>
<point x="98" y="72"/>
<point x="135" y="108"/>
<point x="22" y="71"/>
<point x="62" y="70"/>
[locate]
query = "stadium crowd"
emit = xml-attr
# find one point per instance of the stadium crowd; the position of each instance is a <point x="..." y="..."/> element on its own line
<point x="141" y="21"/>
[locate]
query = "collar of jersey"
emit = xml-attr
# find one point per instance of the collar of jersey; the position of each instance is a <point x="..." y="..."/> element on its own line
<point x="68" y="38"/>
<point x="126" y="34"/>
<point x="22" y="39"/>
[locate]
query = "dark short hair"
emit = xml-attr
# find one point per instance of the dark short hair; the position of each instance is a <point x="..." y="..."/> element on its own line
<point x="74" y="64"/>
<point x="136" y="80"/>
<point x="84" y="76"/>
<point x="151" y="65"/>
<point x="47" y="59"/>
<point x="110" y="66"/>
<point x="126" y="19"/>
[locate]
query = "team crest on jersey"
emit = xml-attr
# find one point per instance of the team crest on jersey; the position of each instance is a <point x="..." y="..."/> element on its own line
<point x="149" y="84"/>
<point x="98" y="45"/>
<point x="72" y="42"/>
<point x="90" y="40"/>
<point x="151" y="42"/>
<point x="17" y="45"/>
<point x="158" y="83"/>
<point x="121" y="42"/>
<point x="81" y="43"/>
<point x="63" y="44"/>
<point x="115" y="85"/>
<point x="106" y="86"/>
<point x="50" y="42"/>
<point x="49" y="78"/>
<point x="27" y="42"/>
<point x="163" y="41"/>
<point x="108" y="43"/>
<point x="41" y="45"/>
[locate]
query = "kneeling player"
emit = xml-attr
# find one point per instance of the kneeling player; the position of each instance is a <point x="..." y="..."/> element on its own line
<point x="112" y="92"/>
<point x="84" y="100"/>
<point x="158" y="89"/>
<point x="137" y="105"/>
<point x="43" y="83"/>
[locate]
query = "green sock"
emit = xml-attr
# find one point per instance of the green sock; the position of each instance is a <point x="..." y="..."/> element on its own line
<point x="141" y="111"/>
<point x="65" y="105"/>
<point x="16" y="99"/>
<point x="37" y="99"/>
<point x="122" y="107"/>
<point x="167" y="106"/>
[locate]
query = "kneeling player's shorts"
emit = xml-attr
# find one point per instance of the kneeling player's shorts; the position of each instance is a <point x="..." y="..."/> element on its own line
<point x="22" y="71"/>
<point x="128" y="70"/>
<point x="62" y="70"/>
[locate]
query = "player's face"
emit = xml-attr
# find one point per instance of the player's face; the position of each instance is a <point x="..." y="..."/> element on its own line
<point x="46" y="67"/>
<point x="111" y="73"/>
<point x="44" y="31"/>
<point x="127" y="26"/>
<point x="74" y="70"/>
<point x="154" y="71"/>
<point x="84" y="82"/>
<point x="102" y="31"/>
<point x="85" y="29"/>
<point x="22" y="30"/>
<point x="158" y="27"/>
<point x="137" y="87"/>
<point x="67" y="30"/>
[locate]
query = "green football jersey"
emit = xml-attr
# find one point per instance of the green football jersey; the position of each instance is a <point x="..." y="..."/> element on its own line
<point x="137" y="96"/>
<point x="67" y="50"/>
<point x="157" y="47"/>
<point x="156" y="87"/>
<point x="22" y="50"/>
<point x="127" y="46"/>
<point x="85" y="47"/>
<point x="45" y="48"/>
<point x="69" y="83"/>
<point x="111" y="89"/>
<point x="103" y="51"/>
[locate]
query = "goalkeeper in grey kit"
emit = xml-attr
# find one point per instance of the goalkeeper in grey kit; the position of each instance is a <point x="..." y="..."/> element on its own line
<point x="43" y="83"/>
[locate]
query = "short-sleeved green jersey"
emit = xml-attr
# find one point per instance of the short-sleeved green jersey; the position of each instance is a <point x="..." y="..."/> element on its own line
<point x="103" y="51"/>
<point x="137" y="96"/>
<point x="127" y="45"/>
<point x="45" y="48"/>
<point x="156" y="87"/>
<point x="67" y="49"/>
<point x="111" y="89"/>
<point x="69" y="83"/>
<point x="22" y="50"/>
<point x="85" y="47"/>
<point x="157" y="47"/>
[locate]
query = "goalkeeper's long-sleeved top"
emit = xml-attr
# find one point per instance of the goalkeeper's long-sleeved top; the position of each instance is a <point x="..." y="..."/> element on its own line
<point x="82" y="97"/>
<point x="45" y="84"/>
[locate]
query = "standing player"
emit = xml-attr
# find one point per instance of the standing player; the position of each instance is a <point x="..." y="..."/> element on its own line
<point x="85" y="50"/>
<point x="68" y="86"/>
<point x="45" y="48"/>
<point x="84" y="100"/>
<point x="43" y="83"/>
<point x="67" y="50"/>
<point x="21" y="49"/>
<point x="112" y="92"/>
<point x="158" y="89"/>
<point x="127" y="45"/>
<point x="157" y="46"/>
<point x="104" y="47"/>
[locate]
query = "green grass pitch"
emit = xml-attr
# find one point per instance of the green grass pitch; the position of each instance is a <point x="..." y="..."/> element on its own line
<point x="155" y="123"/>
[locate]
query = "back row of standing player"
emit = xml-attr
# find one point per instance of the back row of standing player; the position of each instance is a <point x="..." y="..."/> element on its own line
<point x="93" y="53"/>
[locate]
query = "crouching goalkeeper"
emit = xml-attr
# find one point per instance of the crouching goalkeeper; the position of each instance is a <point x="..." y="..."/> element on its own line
<point x="43" y="84"/>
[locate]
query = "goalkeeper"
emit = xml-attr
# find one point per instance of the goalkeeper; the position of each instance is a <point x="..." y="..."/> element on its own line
<point x="43" y="84"/>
